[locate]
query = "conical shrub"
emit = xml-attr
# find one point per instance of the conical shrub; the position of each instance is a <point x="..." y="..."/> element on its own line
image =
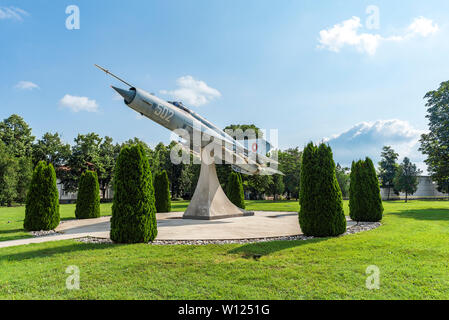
<point x="133" y="210"/>
<point x="365" y="202"/>
<point x="234" y="190"/>
<point x="321" y="205"/>
<point x="162" y="192"/>
<point x="88" y="201"/>
<point x="42" y="203"/>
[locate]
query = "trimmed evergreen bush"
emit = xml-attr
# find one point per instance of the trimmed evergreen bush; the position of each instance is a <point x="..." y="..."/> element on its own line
<point x="365" y="202"/>
<point x="133" y="210"/>
<point x="162" y="192"/>
<point x="321" y="212"/>
<point x="88" y="201"/>
<point x="234" y="189"/>
<point x="42" y="203"/>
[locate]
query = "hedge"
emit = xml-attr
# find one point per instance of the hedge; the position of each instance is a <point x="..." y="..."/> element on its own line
<point x="133" y="210"/>
<point x="365" y="202"/>
<point x="162" y="192"/>
<point x="234" y="189"/>
<point x="88" y="201"/>
<point x="321" y="205"/>
<point x="42" y="201"/>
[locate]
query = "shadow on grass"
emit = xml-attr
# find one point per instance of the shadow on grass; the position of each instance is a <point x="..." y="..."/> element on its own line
<point x="424" y="214"/>
<point x="265" y="248"/>
<point x="51" y="251"/>
<point x="5" y="234"/>
<point x="16" y="237"/>
<point x="11" y="231"/>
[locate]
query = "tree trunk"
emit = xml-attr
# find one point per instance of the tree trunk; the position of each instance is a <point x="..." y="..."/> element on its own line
<point x="388" y="197"/>
<point x="406" y="196"/>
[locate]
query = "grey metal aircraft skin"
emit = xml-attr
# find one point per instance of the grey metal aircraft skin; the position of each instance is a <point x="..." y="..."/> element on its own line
<point x="175" y="116"/>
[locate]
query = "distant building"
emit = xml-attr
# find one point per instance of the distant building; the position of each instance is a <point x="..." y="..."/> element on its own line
<point x="70" y="197"/>
<point x="427" y="189"/>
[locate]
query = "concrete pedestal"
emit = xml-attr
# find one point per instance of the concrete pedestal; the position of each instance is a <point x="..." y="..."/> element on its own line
<point x="209" y="202"/>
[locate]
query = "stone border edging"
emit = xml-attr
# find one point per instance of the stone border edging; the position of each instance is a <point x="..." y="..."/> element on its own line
<point x="359" y="227"/>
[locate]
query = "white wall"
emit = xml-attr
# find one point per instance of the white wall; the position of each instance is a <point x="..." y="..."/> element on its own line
<point x="426" y="189"/>
<point x="71" y="196"/>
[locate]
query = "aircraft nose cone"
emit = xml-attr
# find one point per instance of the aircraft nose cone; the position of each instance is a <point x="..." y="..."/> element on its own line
<point x="128" y="95"/>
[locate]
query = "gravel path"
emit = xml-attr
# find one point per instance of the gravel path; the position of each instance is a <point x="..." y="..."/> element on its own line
<point x="359" y="227"/>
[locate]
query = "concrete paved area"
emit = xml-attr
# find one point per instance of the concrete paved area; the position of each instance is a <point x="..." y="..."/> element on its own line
<point x="171" y="226"/>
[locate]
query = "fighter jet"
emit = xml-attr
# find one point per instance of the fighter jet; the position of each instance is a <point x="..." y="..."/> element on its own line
<point x="176" y="117"/>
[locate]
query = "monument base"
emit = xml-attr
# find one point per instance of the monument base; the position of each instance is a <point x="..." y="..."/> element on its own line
<point x="245" y="214"/>
<point x="209" y="202"/>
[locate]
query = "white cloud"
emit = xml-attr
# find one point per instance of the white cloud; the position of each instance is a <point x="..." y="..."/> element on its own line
<point x="77" y="104"/>
<point x="347" y="34"/>
<point x="26" y="85"/>
<point x="423" y="27"/>
<point x="12" y="13"/>
<point x="192" y="92"/>
<point x="366" y="139"/>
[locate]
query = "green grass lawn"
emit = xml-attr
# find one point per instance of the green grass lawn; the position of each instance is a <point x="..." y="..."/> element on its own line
<point x="411" y="249"/>
<point x="11" y="219"/>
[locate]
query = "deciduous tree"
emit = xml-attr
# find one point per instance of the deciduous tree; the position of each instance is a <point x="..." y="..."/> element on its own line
<point x="16" y="135"/>
<point x="435" y="144"/>
<point x="85" y="156"/>
<point x="388" y="168"/>
<point x="406" y="179"/>
<point x="51" y="149"/>
<point x="8" y="176"/>
<point x="343" y="179"/>
<point x="290" y="166"/>
<point x="108" y="155"/>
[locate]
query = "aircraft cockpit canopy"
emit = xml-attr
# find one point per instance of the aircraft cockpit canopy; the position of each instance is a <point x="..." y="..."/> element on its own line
<point x="180" y="105"/>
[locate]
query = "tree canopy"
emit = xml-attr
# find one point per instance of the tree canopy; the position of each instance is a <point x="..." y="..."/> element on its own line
<point x="51" y="149"/>
<point x="8" y="176"/>
<point x="16" y="135"/>
<point x="435" y="144"/>
<point x="290" y="166"/>
<point x="343" y="178"/>
<point x="406" y="179"/>
<point x="388" y="168"/>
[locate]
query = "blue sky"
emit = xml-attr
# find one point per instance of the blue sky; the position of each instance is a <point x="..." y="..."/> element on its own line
<point x="312" y="69"/>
